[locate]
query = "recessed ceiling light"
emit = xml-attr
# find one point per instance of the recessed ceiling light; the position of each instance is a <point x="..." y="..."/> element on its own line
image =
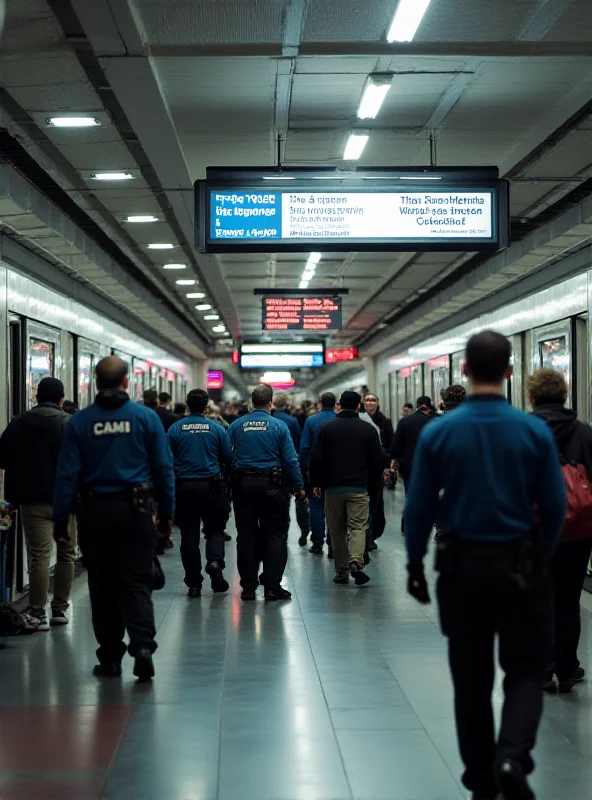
<point x="141" y="218"/>
<point x="407" y="19"/>
<point x="185" y="282"/>
<point x="72" y="122"/>
<point x="212" y="316"/>
<point x="195" y="295"/>
<point x="278" y="178"/>
<point x="375" y="91"/>
<point x="303" y="285"/>
<point x="203" y="307"/>
<point x="356" y="142"/>
<point x="160" y="246"/>
<point x="219" y="329"/>
<point x="175" y="266"/>
<point x="112" y="176"/>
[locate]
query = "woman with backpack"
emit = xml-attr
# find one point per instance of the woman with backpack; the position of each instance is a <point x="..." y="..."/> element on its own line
<point x="547" y="391"/>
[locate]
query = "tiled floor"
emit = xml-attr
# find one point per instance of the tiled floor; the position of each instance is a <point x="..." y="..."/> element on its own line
<point x="343" y="693"/>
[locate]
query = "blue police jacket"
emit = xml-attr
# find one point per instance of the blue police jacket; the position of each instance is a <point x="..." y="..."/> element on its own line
<point x="293" y="426"/>
<point x="109" y="446"/>
<point x="312" y="426"/>
<point x="260" y="441"/>
<point x="200" y="447"/>
<point x="479" y="471"/>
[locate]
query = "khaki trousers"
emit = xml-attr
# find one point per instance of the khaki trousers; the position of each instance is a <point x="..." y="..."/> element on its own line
<point x="38" y="527"/>
<point x="347" y="511"/>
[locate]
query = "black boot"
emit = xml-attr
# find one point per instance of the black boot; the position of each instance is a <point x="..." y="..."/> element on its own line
<point x="303" y="539"/>
<point x="111" y="669"/>
<point x="316" y="549"/>
<point x="144" y="666"/>
<point x="512" y="781"/>
<point x="358" y="574"/>
<point x="219" y="582"/>
<point x="277" y="594"/>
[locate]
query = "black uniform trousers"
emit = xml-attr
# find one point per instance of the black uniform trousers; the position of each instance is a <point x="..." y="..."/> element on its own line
<point x="483" y="594"/>
<point x="262" y="516"/>
<point x="117" y="543"/>
<point x="197" y="501"/>
<point x="568" y="571"/>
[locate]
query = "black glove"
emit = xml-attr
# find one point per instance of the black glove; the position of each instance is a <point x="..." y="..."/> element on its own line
<point x="60" y="532"/>
<point x="416" y="584"/>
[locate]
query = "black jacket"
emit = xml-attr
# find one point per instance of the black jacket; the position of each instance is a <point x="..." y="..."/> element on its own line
<point x="346" y="453"/>
<point x="166" y="417"/>
<point x="29" y="450"/>
<point x="405" y="440"/>
<point x="385" y="426"/>
<point x="573" y="438"/>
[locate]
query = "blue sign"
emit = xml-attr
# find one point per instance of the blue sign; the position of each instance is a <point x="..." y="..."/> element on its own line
<point x="245" y="215"/>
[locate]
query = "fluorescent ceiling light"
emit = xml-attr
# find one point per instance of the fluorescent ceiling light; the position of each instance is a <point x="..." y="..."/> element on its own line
<point x="356" y="142"/>
<point x="141" y="218"/>
<point x="277" y="178"/>
<point x="203" y="307"/>
<point x="219" y="329"/>
<point x="375" y="91"/>
<point x="212" y="316"/>
<point x="307" y="275"/>
<point x="185" y="282"/>
<point x="160" y="246"/>
<point x="175" y="266"/>
<point x="195" y="295"/>
<point x="72" y="122"/>
<point x="112" y="176"/>
<point x="314" y="258"/>
<point x="303" y="285"/>
<point x="407" y="19"/>
<point x="422" y="178"/>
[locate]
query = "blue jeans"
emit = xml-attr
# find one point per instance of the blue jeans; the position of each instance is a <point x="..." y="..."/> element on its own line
<point x="317" y="519"/>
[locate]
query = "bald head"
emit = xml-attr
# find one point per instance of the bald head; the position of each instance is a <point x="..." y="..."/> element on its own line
<point x="111" y="373"/>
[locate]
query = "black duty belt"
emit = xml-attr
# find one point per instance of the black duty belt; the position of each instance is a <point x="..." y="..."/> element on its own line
<point x="251" y="472"/>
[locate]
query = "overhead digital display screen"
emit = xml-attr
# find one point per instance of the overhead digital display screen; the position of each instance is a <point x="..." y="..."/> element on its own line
<point x="456" y="211"/>
<point x="282" y="356"/>
<point x="302" y="314"/>
<point x="215" y="379"/>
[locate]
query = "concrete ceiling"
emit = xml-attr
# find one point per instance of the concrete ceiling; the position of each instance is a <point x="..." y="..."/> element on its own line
<point x="186" y="84"/>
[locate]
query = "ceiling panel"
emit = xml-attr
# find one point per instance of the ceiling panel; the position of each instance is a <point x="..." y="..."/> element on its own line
<point x="574" y="25"/>
<point x="346" y="20"/>
<point x="475" y="20"/>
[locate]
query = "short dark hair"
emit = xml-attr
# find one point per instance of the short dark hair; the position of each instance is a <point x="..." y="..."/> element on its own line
<point x="180" y="409"/>
<point x="350" y="401"/>
<point x="50" y="390"/>
<point x="197" y="401"/>
<point x="371" y="394"/>
<point x="164" y="397"/>
<point x="546" y="386"/>
<point x="110" y="373"/>
<point x="488" y="357"/>
<point x="69" y="406"/>
<point x="150" y="398"/>
<point x="407" y="405"/>
<point x="262" y="395"/>
<point x="424" y="400"/>
<point x="328" y="400"/>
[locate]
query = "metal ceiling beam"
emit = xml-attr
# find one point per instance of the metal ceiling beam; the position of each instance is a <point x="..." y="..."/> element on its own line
<point x="114" y="31"/>
<point x="544" y="18"/>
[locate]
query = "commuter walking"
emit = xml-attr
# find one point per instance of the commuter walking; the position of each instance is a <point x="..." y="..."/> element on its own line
<point x="406" y="437"/>
<point x="201" y="455"/>
<point x="481" y="470"/>
<point x="312" y="426"/>
<point x="164" y="412"/>
<point x="280" y="411"/>
<point x="264" y="474"/>
<point x="29" y="451"/>
<point x="547" y="391"/>
<point x="385" y="427"/>
<point x="346" y="462"/>
<point x="111" y="452"/>
<point x="407" y="409"/>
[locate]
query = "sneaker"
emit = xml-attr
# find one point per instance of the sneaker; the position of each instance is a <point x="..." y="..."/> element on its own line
<point x="358" y="574"/>
<point x="219" y="582"/>
<point x="143" y="666"/>
<point x="330" y="552"/>
<point x="579" y="675"/>
<point x="107" y="670"/>
<point x="316" y="549"/>
<point x="59" y="618"/>
<point x="303" y="539"/>
<point x="277" y="594"/>
<point x="512" y="781"/>
<point x="194" y="591"/>
<point x="339" y="578"/>
<point x="248" y="595"/>
<point x="39" y="619"/>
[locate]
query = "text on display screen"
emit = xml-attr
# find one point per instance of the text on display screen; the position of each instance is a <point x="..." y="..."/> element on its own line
<point x="302" y="314"/>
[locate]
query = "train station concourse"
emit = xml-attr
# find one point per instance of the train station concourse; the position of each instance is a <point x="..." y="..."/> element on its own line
<point x="229" y="229"/>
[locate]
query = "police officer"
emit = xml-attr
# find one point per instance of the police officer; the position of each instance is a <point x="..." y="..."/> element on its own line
<point x="111" y="451"/>
<point x="482" y="470"/>
<point x="265" y="465"/>
<point x="201" y="453"/>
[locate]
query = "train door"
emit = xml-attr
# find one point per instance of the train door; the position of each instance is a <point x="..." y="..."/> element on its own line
<point x="439" y="372"/>
<point x="458" y="362"/>
<point x="394" y="401"/>
<point x="140" y="379"/>
<point x="180" y="394"/>
<point x="43" y="357"/>
<point x="88" y="353"/>
<point x="416" y="380"/>
<point x="552" y="346"/>
<point x="582" y="371"/>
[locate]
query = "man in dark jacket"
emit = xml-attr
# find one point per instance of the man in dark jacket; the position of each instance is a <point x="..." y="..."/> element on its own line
<point x="385" y="426"/>
<point x="346" y="461"/>
<point x="407" y="435"/>
<point x="29" y="450"/>
<point x="162" y="409"/>
<point x="547" y="391"/>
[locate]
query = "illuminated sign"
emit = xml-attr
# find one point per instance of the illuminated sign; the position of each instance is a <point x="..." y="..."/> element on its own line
<point x="302" y="314"/>
<point x="215" y="380"/>
<point x="282" y="356"/>
<point x="455" y="208"/>
<point x="347" y="354"/>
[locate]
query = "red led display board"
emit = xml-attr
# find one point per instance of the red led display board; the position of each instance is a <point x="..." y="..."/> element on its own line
<point x="302" y="314"/>
<point x="348" y="354"/>
<point x="215" y="380"/>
